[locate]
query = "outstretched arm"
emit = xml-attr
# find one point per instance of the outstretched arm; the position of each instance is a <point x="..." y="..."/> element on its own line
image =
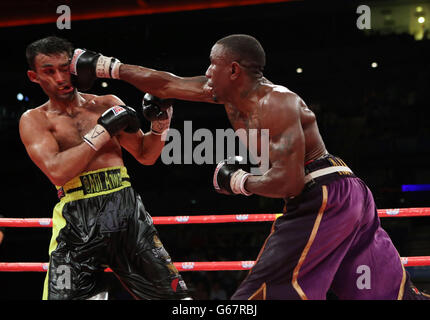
<point x="165" y="84"/>
<point x="86" y="66"/>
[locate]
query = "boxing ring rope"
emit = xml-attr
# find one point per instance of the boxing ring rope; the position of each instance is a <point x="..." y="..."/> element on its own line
<point x="203" y="266"/>
<point x="223" y="218"/>
<point x="189" y="266"/>
<point x="181" y="266"/>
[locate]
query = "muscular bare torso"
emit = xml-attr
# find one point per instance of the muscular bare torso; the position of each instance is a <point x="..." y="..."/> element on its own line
<point x="69" y="128"/>
<point x="263" y="117"/>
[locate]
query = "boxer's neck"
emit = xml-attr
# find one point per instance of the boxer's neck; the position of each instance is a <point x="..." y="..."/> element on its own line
<point x="246" y="96"/>
<point x="67" y="105"/>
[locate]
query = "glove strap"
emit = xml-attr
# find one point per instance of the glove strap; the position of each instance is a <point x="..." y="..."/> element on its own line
<point x="76" y="54"/>
<point x="97" y="137"/>
<point x="160" y="127"/>
<point x="237" y="182"/>
<point x="107" y="67"/>
<point x="115" y="69"/>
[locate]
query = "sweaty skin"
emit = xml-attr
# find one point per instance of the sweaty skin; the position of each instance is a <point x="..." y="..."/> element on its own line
<point x="294" y="137"/>
<point x="52" y="133"/>
<point x="250" y="102"/>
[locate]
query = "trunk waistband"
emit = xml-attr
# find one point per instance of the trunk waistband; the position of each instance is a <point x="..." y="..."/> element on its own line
<point x="95" y="182"/>
<point x="326" y="165"/>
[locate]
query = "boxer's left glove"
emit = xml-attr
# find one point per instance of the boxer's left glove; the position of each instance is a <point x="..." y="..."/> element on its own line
<point x="86" y="66"/>
<point x="158" y="111"/>
<point x="110" y="123"/>
<point x="230" y="177"/>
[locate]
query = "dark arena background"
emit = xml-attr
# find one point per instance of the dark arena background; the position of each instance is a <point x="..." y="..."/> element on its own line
<point x="369" y="88"/>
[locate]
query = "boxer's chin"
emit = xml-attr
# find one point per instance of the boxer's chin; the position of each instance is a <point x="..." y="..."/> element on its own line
<point x="210" y="92"/>
<point x="213" y="94"/>
<point x="66" y="95"/>
<point x="216" y="98"/>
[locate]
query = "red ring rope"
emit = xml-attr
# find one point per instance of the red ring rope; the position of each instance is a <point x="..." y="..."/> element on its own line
<point x="203" y="266"/>
<point x="190" y="266"/>
<point x="47" y="222"/>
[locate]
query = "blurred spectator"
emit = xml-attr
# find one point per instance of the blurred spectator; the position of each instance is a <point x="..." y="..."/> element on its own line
<point x="201" y="291"/>
<point x="217" y="293"/>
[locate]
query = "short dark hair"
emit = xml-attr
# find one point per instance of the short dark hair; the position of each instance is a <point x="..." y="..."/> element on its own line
<point x="48" y="46"/>
<point x="246" y="50"/>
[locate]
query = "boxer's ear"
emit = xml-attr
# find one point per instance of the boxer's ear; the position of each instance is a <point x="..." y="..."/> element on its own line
<point x="32" y="75"/>
<point x="235" y="70"/>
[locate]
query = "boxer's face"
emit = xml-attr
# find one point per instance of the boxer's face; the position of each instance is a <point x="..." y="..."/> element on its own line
<point x="53" y="75"/>
<point x="219" y="74"/>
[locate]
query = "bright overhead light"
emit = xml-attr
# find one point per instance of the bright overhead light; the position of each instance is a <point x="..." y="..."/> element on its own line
<point x="20" y="96"/>
<point x="374" y="64"/>
<point x="299" y="70"/>
<point x="421" y="20"/>
<point x="104" y="84"/>
<point x="419" y="9"/>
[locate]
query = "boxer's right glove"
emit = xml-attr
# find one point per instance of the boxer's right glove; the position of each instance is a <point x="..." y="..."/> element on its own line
<point x="86" y="66"/>
<point x="158" y="111"/>
<point x="230" y="176"/>
<point x="110" y="123"/>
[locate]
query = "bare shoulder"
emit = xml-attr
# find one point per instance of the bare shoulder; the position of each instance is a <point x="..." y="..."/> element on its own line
<point x="33" y="123"/>
<point x="36" y="115"/>
<point x="281" y="99"/>
<point x="103" y="102"/>
<point x="280" y="108"/>
<point x="110" y="100"/>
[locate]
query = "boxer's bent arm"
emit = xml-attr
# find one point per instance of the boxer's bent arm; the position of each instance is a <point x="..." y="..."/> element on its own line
<point x="145" y="148"/>
<point x="285" y="178"/>
<point x="165" y="84"/>
<point x="43" y="149"/>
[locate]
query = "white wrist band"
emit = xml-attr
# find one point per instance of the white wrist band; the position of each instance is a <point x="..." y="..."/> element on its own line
<point x="160" y="127"/>
<point x="115" y="69"/>
<point x="237" y="182"/>
<point x="242" y="185"/>
<point x="107" y="67"/>
<point x="97" y="137"/>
